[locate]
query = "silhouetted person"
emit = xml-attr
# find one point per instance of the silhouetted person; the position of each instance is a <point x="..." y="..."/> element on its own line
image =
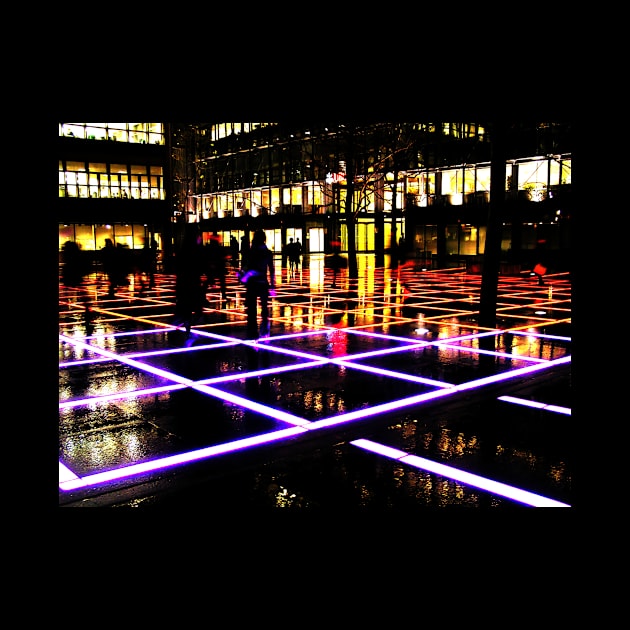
<point x="234" y="250"/>
<point x="335" y="261"/>
<point x="259" y="279"/>
<point x="188" y="287"/>
<point x="293" y="251"/>
<point x="73" y="265"/>
<point x="540" y="268"/>
<point x="298" y="252"/>
<point x="117" y="265"/>
<point x="74" y="269"/>
<point x="109" y="257"/>
<point x="244" y="250"/>
<point x="214" y="267"/>
<point x="146" y="265"/>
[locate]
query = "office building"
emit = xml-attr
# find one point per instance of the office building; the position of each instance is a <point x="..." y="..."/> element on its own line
<point x="420" y="189"/>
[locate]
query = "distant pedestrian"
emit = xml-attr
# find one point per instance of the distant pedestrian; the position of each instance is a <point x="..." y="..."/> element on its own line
<point x="145" y="270"/>
<point x="234" y="251"/>
<point x="244" y="250"/>
<point x="289" y="250"/>
<point x="260" y="283"/>
<point x="75" y="268"/>
<point x="109" y="258"/>
<point x="188" y="286"/>
<point x="294" y="251"/>
<point x="213" y="267"/>
<point x="540" y="270"/>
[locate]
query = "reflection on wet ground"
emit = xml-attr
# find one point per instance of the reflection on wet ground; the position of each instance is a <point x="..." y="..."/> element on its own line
<point x="378" y="394"/>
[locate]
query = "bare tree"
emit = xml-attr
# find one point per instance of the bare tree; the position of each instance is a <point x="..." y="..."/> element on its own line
<point x="366" y="154"/>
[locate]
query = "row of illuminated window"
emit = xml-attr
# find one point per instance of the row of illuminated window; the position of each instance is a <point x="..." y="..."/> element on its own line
<point x="458" y="130"/>
<point x="138" y="133"/>
<point x="222" y="130"/>
<point x="92" y="237"/>
<point x="536" y="178"/>
<point x="107" y="181"/>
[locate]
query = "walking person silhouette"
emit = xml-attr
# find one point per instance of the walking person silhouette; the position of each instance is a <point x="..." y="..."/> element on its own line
<point x="260" y="282"/>
<point x="214" y="267"/>
<point x="75" y="267"/>
<point x="188" y="285"/>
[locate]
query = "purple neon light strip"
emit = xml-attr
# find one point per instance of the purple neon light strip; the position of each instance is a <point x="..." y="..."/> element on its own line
<point x="383" y="408"/>
<point x="228" y="447"/>
<point x="78" y="402"/>
<point x="419" y="398"/>
<point x="276" y="414"/>
<point x="536" y="405"/>
<point x="254" y="406"/>
<point x="132" y="362"/>
<point x="66" y="364"/>
<point x="497" y="378"/>
<point x="493" y="353"/>
<point x="384" y="351"/>
<point x="275" y="370"/>
<point x="71" y="482"/>
<point x="539" y="335"/>
<point x="184" y="382"/>
<point x="263" y="343"/>
<point x="382" y="372"/>
<point x="468" y="479"/>
<point x="133" y="333"/>
<point x="367" y="333"/>
<point x="151" y="353"/>
<point x="157" y="353"/>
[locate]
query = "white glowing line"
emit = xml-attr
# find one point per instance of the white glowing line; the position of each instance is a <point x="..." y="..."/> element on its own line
<point x="530" y="369"/>
<point x="78" y="402"/>
<point x="494" y="487"/>
<point x="137" y="364"/>
<point x="383" y="351"/>
<point x="413" y="400"/>
<point x="72" y="483"/>
<point x="400" y="375"/>
<point x="237" y="376"/>
<point x="491" y="352"/>
<point x="536" y="405"/>
<point x="65" y="474"/>
<point x="277" y="414"/>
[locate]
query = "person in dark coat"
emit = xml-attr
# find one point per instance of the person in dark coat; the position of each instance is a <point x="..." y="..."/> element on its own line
<point x="146" y="265"/>
<point x="75" y="267"/>
<point x="260" y="283"/>
<point x="244" y="250"/>
<point x="234" y="250"/>
<point x="188" y="284"/>
<point x="214" y="267"/>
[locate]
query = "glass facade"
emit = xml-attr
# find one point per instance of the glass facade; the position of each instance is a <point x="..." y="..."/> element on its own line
<point x="140" y="133"/>
<point x="427" y="184"/>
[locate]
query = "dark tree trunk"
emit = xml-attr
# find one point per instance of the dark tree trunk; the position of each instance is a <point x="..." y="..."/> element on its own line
<point x="492" y="253"/>
<point x="353" y="268"/>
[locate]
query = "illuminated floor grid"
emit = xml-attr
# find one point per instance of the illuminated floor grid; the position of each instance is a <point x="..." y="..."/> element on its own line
<point x="401" y="336"/>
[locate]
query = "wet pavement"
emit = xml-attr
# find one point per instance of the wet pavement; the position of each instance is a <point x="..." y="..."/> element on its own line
<point x="381" y="394"/>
